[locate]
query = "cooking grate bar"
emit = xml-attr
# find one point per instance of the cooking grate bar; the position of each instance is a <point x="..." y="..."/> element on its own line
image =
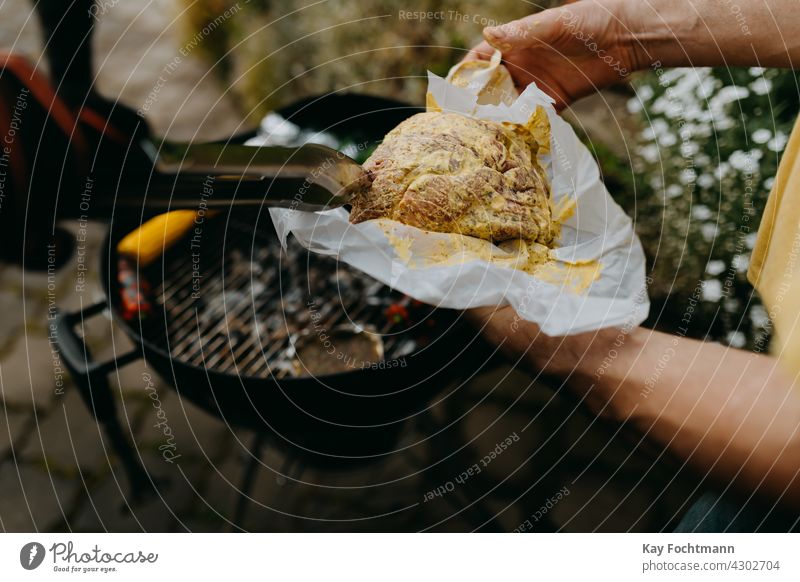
<point x="257" y="359"/>
<point x="266" y="306"/>
<point x="215" y="319"/>
<point x="256" y="298"/>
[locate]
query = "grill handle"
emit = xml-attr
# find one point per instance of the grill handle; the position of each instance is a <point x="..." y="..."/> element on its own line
<point x="78" y="358"/>
<point x="91" y="379"/>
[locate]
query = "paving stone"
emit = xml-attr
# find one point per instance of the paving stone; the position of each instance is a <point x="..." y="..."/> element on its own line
<point x="174" y="500"/>
<point x="221" y="491"/>
<point x="103" y="509"/>
<point x="596" y="505"/>
<point x="35" y="293"/>
<point x="48" y="496"/>
<point x="94" y="233"/>
<point x="109" y="506"/>
<point x="70" y="439"/>
<point x="179" y="485"/>
<point x="489" y="448"/>
<point x="171" y="420"/>
<point x="273" y="499"/>
<point x="13" y="319"/>
<point x="13" y="428"/>
<point x="29" y="375"/>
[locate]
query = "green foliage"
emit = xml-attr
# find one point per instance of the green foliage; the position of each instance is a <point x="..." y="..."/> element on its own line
<point x="704" y="166"/>
<point x="272" y="53"/>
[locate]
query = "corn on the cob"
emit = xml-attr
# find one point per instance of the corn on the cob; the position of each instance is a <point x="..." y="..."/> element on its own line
<point x="150" y="240"/>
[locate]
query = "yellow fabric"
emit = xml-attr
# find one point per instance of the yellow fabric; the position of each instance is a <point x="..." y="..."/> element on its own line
<point x="775" y="262"/>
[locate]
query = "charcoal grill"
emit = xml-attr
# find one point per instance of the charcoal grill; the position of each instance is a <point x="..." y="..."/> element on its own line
<point x="227" y="343"/>
<point x="255" y="299"/>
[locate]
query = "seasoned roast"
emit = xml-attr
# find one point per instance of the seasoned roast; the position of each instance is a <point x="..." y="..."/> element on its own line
<point x="446" y="172"/>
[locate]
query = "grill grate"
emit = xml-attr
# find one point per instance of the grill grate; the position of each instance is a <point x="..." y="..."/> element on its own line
<point x="234" y="301"/>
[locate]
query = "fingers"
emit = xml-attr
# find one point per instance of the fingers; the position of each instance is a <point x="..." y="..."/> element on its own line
<point x="481" y="52"/>
<point x="541" y="28"/>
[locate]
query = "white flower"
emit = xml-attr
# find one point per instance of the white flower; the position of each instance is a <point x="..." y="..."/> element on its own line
<point x="714" y="268"/>
<point x="709" y="231"/>
<point x="667" y="139"/>
<point x="741" y="160"/>
<point x="687" y="176"/>
<point x="750" y="240"/>
<point x="635" y="105"/>
<point x="701" y="212"/>
<point x="740" y="263"/>
<point x="761" y="135"/>
<point x="756" y="71"/>
<point x="736" y="339"/>
<point x="656" y="182"/>
<point x="769" y="183"/>
<point x="761" y="86"/>
<point x="703" y="128"/>
<point x="777" y="143"/>
<point x="706" y="88"/>
<point x="723" y="122"/>
<point x="728" y="94"/>
<point x="705" y="180"/>
<point x="673" y="191"/>
<point x="649" y="152"/>
<point x="759" y="316"/>
<point x="731" y="305"/>
<point x="656" y="128"/>
<point x="688" y="149"/>
<point x="712" y="290"/>
<point x="645" y="92"/>
<point x="660" y="105"/>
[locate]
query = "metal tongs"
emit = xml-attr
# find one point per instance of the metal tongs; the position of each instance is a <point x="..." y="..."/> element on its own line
<point x="309" y="177"/>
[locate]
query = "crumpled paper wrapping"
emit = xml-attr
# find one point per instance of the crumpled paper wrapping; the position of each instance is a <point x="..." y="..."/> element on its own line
<point x="596" y="276"/>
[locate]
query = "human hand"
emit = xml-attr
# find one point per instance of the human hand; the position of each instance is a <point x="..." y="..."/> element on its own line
<point x="584" y="46"/>
<point x="569" y="51"/>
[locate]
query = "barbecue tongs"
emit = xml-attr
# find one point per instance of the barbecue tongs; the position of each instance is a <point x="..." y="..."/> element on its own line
<point x="221" y="176"/>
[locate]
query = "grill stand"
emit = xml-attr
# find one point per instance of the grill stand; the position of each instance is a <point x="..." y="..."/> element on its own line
<point x="246" y="486"/>
<point x="91" y="379"/>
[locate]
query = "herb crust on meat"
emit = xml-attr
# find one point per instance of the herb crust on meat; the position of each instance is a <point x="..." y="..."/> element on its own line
<point x="447" y="172"/>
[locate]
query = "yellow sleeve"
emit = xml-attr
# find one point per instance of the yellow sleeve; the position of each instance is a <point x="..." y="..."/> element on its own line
<point x="775" y="263"/>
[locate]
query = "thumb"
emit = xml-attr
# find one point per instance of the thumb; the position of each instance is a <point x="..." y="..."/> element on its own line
<point x="536" y="29"/>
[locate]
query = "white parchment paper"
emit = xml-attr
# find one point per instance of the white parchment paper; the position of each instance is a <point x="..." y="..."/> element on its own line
<point x="478" y="273"/>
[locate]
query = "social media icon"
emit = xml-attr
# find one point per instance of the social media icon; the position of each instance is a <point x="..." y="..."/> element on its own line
<point x="31" y="555"/>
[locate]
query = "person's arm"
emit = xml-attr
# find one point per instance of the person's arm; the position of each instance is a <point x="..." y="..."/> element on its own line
<point x="710" y="33"/>
<point x="730" y="414"/>
<point x="578" y="48"/>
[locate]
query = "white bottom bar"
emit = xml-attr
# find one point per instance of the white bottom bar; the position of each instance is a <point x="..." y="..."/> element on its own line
<point x="400" y="557"/>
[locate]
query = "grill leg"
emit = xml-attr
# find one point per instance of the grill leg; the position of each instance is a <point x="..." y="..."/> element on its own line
<point x="140" y="483"/>
<point x="247" y="480"/>
<point x="91" y="380"/>
<point x="96" y="394"/>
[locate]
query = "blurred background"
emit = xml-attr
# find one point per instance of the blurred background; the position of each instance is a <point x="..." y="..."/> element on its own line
<point x="690" y="154"/>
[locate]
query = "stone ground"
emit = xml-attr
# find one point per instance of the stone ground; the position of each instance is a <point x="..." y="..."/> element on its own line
<point x="57" y="470"/>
